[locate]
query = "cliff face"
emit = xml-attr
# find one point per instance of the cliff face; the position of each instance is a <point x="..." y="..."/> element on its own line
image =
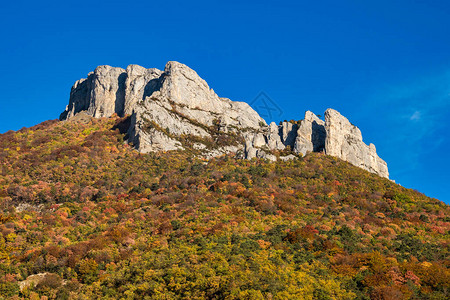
<point x="164" y="106"/>
<point x="175" y="109"/>
<point x="344" y="140"/>
<point x="101" y="94"/>
<point x="335" y="136"/>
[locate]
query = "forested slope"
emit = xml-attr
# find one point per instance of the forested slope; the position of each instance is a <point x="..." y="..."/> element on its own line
<point x="104" y="221"/>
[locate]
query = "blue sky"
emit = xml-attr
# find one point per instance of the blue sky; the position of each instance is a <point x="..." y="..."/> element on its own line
<point x="383" y="64"/>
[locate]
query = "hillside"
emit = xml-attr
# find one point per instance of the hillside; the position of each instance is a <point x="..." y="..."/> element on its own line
<point x="105" y="221"/>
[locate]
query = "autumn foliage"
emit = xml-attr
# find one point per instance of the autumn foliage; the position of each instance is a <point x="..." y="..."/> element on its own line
<point x="111" y="223"/>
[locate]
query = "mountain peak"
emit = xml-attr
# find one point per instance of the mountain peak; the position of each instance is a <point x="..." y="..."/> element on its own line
<point x="175" y="109"/>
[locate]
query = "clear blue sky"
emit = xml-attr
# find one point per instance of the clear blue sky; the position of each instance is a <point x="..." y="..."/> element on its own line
<point x="383" y="64"/>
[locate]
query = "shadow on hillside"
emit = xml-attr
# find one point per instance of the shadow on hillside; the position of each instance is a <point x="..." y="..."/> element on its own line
<point x="123" y="125"/>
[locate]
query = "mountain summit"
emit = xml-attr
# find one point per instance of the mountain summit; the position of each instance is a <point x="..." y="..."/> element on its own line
<point x="175" y="109"/>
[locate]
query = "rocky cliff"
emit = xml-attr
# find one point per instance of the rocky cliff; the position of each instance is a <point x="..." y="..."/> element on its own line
<point x="175" y="109"/>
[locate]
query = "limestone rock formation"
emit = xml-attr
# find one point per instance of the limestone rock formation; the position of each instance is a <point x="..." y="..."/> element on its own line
<point x="335" y="136"/>
<point x="101" y="94"/>
<point x="288" y="133"/>
<point x="310" y="135"/>
<point x="140" y="83"/>
<point x="163" y="105"/>
<point x="344" y="140"/>
<point x="274" y="141"/>
<point x="37" y="279"/>
<point x="175" y="109"/>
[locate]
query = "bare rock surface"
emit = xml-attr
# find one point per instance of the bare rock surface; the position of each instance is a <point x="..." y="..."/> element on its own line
<point x="140" y="83"/>
<point x="101" y="94"/>
<point x="289" y="133"/>
<point x="344" y="140"/>
<point x="46" y="279"/>
<point x="310" y="135"/>
<point x="175" y="109"/>
<point x="163" y="105"/>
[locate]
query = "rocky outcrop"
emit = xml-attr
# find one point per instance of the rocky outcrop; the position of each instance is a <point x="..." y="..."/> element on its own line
<point x="335" y="136"/>
<point x="288" y="134"/>
<point x="139" y="84"/>
<point x="310" y="135"/>
<point x="41" y="280"/>
<point x="182" y="104"/>
<point x="101" y="94"/>
<point x="175" y="109"/>
<point x="166" y="107"/>
<point x="344" y="140"/>
<point x="274" y="141"/>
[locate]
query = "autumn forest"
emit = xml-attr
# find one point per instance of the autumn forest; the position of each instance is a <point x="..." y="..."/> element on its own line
<point x="98" y="220"/>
